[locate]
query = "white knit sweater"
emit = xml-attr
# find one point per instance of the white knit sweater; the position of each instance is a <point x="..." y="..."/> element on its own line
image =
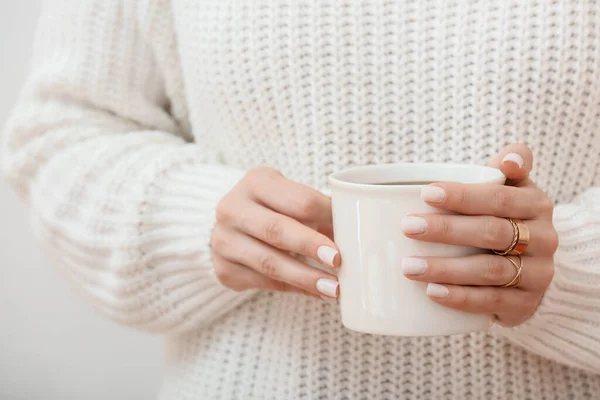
<point x="140" y="115"/>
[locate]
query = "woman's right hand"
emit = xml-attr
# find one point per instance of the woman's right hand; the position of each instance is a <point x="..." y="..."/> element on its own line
<point x="262" y="221"/>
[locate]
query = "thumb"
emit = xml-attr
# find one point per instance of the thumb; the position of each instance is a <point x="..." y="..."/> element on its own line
<point x="515" y="161"/>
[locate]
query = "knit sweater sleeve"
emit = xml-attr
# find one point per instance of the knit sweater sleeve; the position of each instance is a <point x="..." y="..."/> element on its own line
<point x="566" y="326"/>
<point x="117" y="192"/>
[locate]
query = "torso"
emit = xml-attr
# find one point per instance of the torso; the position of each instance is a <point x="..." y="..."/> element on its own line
<point x="310" y="87"/>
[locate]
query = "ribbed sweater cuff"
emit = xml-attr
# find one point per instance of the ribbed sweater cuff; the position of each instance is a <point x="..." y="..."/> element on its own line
<point x="566" y="325"/>
<point x="175" y="226"/>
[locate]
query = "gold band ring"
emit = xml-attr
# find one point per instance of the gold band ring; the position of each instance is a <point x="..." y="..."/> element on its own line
<point x="520" y="239"/>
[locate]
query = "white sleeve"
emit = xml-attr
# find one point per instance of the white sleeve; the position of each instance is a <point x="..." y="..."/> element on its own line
<point x="566" y="326"/>
<point x="118" y="194"/>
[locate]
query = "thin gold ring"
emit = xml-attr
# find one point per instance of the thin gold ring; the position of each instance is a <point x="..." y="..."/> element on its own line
<point x="519" y="268"/>
<point x="514" y="241"/>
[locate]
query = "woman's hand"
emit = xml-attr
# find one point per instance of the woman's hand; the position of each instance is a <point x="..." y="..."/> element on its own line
<point x="474" y="283"/>
<point x="260" y="223"/>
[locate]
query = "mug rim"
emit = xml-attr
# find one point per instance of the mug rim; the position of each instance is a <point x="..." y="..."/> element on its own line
<point x="496" y="176"/>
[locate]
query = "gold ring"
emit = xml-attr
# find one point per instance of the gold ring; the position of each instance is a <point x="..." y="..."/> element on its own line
<point x="514" y="241"/>
<point x="519" y="268"/>
<point x="522" y="239"/>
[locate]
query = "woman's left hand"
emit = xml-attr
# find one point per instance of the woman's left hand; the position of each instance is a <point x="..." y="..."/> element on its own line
<point x="474" y="283"/>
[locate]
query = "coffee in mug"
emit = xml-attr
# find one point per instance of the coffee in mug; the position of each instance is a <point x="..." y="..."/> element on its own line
<point x="404" y="183"/>
<point x="368" y="205"/>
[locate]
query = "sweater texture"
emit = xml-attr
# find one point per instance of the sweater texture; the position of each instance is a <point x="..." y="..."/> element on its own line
<point x="139" y="115"/>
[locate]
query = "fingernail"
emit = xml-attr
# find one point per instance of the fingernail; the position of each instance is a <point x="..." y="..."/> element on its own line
<point x="433" y="194"/>
<point x="329" y="299"/>
<point x="413" y="225"/>
<point x="414" y="266"/>
<point x="327" y="254"/>
<point x="437" y="290"/>
<point x="515" y="158"/>
<point x="328" y="287"/>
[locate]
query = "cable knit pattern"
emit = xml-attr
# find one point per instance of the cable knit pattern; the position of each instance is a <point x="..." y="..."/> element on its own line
<point x="140" y="115"/>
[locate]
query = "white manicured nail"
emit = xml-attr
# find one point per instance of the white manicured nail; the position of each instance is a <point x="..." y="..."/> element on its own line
<point x="413" y="225"/>
<point x="414" y="266"/>
<point x="433" y="194"/>
<point x="328" y="287"/>
<point x="327" y="254"/>
<point x="437" y="290"/>
<point x="514" y="157"/>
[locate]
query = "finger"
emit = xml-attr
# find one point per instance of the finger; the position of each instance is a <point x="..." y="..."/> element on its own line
<point x="511" y="306"/>
<point x="326" y="230"/>
<point x="290" y="198"/>
<point x="515" y="161"/>
<point x="479" y="270"/>
<point x="274" y="264"/>
<point x="526" y="183"/>
<point x="478" y="231"/>
<point x="485" y="232"/>
<point x="238" y="277"/>
<point x="487" y="199"/>
<point x="282" y="232"/>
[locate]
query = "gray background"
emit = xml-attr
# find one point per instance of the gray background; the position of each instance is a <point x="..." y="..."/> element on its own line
<point x="52" y="344"/>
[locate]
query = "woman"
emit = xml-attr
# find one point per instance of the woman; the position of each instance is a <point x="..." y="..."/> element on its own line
<point x="173" y="154"/>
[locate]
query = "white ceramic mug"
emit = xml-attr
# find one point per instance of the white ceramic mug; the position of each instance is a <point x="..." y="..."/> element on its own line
<point x="375" y="296"/>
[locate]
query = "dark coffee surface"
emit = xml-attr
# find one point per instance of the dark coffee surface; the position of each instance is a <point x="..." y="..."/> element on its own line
<point x="403" y="183"/>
